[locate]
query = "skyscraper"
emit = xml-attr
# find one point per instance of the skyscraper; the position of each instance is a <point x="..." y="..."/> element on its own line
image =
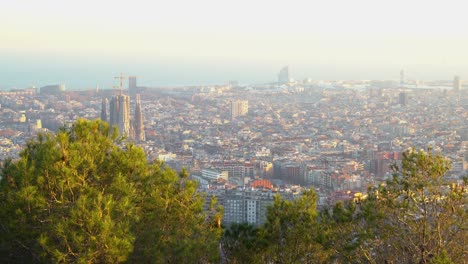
<point x="119" y="114"/>
<point x="283" y="75"/>
<point x="239" y="108"/>
<point x="104" y="109"/>
<point x="132" y="85"/>
<point x="403" y="99"/>
<point x="402" y="78"/>
<point x="457" y="83"/>
<point x="138" y="124"/>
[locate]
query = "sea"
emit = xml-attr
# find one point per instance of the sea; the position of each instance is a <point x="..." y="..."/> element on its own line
<point x="18" y="72"/>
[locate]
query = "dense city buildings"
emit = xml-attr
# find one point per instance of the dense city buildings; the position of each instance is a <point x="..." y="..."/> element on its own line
<point x="244" y="144"/>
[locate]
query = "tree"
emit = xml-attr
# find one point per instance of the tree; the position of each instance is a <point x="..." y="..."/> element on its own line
<point x="342" y="233"/>
<point x="422" y="215"/>
<point x="67" y="199"/>
<point x="242" y="243"/>
<point x="173" y="226"/>
<point x="84" y="196"/>
<point x="291" y="231"/>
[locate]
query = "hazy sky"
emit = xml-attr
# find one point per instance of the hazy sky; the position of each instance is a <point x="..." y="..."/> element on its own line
<point x="414" y="34"/>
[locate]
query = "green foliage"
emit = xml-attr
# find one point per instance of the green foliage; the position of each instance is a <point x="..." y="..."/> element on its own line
<point x="79" y="197"/>
<point x="290" y="235"/>
<point x="441" y="259"/>
<point x="242" y="243"/>
<point x="341" y="233"/>
<point x="291" y="231"/>
<point x="173" y="228"/>
<point x="421" y="215"/>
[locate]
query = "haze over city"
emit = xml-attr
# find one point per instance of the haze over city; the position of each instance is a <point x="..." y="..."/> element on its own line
<point x="170" y="43"/>
<point x="244" y="131"/>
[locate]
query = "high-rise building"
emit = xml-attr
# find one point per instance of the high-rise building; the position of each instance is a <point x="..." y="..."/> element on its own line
<point x="104" y="109"/>
<point x="246" y="206"/>
<point x="283" y="75"/>
<point x="132" y="85"/>
<point x="120" y="114"/>
<point x="457" y="83"/>
<point x="250" y="205"/>
<point x="139" y="128"/>
<point x="239" y="108"/>
<point x="403" y="99"/>
<point x="402" y="78"/>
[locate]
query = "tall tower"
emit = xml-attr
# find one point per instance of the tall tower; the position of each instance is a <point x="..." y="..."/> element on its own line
<point x="120" y="110"/>
<point x="139" y="127"/>
<point x="283" y="75"/>
<point x="114" y="109"/>
<point x="457" y="83"/>
<point x="104" y="109"/>
<point x="124" y="115"/>
<point x="132" y="130"/>
<point x="132" y="85"/>
<point x="402" y="78"/>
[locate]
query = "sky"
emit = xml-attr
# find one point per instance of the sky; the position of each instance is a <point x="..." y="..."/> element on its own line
<point x="205" y="41"/>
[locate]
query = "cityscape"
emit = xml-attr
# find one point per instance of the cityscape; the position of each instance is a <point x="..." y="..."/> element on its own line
<point x="234" y="132"/>
<point x="246" y="143"/>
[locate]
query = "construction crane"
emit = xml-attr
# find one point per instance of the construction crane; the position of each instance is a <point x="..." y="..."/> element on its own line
<point x="121" y="78"/>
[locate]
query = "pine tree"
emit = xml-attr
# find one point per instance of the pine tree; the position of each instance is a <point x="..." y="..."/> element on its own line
<point x="83" y="196"/>
<point x="422" y="216"/>
<point x="291" y="231"/>
<point x="242" y="243"/>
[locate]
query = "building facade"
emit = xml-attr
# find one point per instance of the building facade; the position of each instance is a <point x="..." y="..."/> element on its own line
<point x="104" y="109"/>
<point x="139" y="128"/>
<point x="120" y="114"/>
<point x="212" y="174"/>
<point x="239" y="108"/>
<point x="132" y="85"/>
<point x="247" y="206"/>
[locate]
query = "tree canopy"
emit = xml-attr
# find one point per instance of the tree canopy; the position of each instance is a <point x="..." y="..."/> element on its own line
<point x="416" y="217"/>
<point x="83" y="196"/>
<point x="422" y="216"/>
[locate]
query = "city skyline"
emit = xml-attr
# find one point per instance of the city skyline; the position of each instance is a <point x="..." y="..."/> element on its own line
<point x="217" y="131"/>
<point x="211" y="42"/>
<point x="86" y="79"/>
